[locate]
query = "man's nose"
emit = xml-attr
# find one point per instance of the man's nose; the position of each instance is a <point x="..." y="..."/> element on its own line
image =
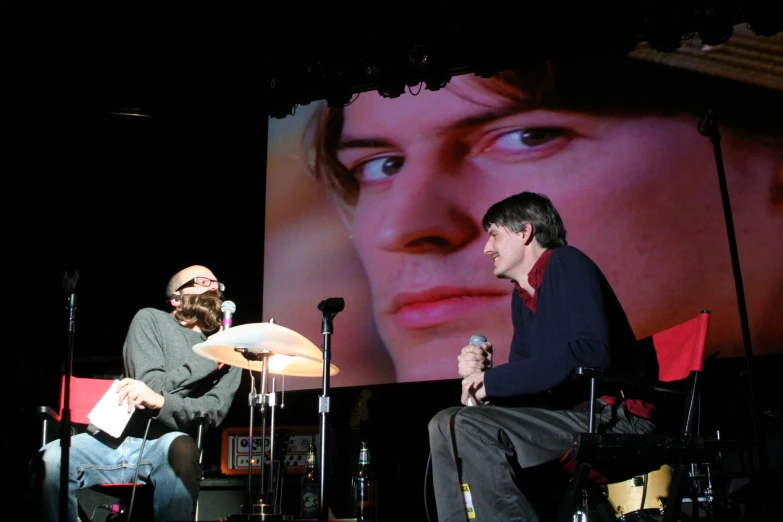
<point x="488" y="247"/>
<point x="426" y="213"/>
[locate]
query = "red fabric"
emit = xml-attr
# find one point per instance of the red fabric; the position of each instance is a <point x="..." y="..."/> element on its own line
<point x="637" y="407"/>
<point x="85" y="394"/>
<point x="534" y="278"/>
<point x="680" y="349"/>
<point x="569" y="465"/>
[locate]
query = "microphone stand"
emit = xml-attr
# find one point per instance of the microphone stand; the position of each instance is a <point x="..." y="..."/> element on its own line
<point x="329" y="308"/>
<point x="69" y="285"/>
<point x="708" y="126"/>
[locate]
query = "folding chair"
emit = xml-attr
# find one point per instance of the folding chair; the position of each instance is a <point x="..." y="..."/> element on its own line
<point x="673" y="364"/>
<point x="105" y="499"/>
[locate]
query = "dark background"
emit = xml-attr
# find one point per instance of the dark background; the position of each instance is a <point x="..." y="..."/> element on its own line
<point x="128" y="200"/>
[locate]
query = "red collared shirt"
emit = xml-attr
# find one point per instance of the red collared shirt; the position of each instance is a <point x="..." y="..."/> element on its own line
<point x="534" y="278"/>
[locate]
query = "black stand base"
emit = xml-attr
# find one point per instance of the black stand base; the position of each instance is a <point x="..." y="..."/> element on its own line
<point x="259" y="512"/>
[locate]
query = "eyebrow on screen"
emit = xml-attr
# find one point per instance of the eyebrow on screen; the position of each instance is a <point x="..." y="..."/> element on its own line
<point x="348" y="141"/>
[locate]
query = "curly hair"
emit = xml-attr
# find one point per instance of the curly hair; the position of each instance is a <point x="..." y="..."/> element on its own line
<point x="203" y="309"/>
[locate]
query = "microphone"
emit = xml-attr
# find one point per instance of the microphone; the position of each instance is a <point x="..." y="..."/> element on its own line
<point x="707" y="123"/>
<point x="228" y="308"/>
<point x="477" y="340"/>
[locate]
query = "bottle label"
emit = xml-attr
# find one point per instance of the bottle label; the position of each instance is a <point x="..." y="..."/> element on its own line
<point x="310" y="503"/>
<point x="468" y="502"/>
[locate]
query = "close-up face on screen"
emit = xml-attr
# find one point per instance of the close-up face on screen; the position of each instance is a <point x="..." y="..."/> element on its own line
<point x="381" y="202"/>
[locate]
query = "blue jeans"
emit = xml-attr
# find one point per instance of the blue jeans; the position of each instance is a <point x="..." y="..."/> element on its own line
<point x="170" y="464"/>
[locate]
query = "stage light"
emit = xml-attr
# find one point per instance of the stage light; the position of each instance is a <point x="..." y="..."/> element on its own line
<point x="372" y="70"/>
<point x="715" y="26"/>
<point x="338" y="99"/>
<point x="434" y="81"/>
<point x="427" y="66"/>
<point x="765" y="18"/>
<point x="665" y="39"/>
<point x="391" y="88"/>
<point x="279" y="109"/>
<point x="419" y="56"/>
<point x="390" y="81"/>
<point x="665" y="27"/>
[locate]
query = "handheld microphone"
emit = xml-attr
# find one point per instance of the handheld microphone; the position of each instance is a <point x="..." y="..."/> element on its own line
<point x="228" y="308"/>
<point x="477" y="340"/>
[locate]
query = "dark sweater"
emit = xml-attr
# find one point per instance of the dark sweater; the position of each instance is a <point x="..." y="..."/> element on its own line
<point x="578" y="322"/>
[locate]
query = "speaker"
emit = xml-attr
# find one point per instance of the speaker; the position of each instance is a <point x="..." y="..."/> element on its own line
<point x="218" y="504"/>
<point x="112" y="503"/>
<point x="220" y="497"/>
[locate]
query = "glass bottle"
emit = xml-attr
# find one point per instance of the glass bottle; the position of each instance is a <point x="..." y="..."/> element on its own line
<point x="310" y="497"/>
<point x="365" y="488"/>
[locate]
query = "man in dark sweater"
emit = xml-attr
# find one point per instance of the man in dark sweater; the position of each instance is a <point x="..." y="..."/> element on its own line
<point x="565" y="315"/>
<point x="168" y="385"/>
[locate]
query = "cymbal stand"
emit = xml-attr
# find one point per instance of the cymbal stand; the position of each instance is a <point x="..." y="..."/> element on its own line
<point x="257" y="511"/>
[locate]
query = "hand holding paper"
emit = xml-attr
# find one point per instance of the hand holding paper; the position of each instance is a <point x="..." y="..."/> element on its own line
<point x="109" y="416"/>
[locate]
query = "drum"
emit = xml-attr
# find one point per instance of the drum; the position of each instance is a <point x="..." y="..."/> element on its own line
<point x="641" y="495"/>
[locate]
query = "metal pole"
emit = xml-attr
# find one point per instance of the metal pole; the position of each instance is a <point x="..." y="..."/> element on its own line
<point x="708" y="126"/>
<point x="329" y="308"/>
<point x="69" y="285"/>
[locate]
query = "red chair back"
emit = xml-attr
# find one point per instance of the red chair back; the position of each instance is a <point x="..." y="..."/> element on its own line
<point x="85" y="394"/>
<point x="680" y="349"/>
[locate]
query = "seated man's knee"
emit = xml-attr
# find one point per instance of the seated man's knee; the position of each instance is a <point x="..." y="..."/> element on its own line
<point x="439" y="423"/>
<point x="183" y="458"/>
<point x="48" y="460"/>
<point x="184" y="455"/>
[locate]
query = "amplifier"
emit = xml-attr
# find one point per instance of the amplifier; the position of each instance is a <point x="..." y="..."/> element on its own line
<point x="291" y="444"/>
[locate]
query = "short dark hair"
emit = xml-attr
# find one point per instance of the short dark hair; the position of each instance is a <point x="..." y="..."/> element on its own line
<point x="528" y="207"/>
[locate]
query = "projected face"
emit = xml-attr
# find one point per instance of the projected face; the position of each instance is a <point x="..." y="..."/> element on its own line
<point x="639" y="194"/>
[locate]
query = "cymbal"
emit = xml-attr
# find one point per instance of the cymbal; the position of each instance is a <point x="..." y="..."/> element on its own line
<point x="292" y="353"/>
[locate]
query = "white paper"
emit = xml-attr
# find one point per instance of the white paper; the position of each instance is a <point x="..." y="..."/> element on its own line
<point x="107" y="415"/>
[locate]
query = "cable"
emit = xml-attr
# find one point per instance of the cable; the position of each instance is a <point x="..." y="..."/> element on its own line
<point x="427" y="471"/>
<point x="138" y="466"/>
<point x="645" y="482"/>
<point x="346" y="105"/>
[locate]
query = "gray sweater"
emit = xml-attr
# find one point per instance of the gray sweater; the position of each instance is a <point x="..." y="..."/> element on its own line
<point x="159" y="352"/>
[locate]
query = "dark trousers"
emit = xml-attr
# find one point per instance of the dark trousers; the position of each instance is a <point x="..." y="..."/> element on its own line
<point x="489" y="448"/>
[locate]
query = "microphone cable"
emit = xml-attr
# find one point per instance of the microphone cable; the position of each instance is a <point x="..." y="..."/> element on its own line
<point x="138" y="466"/>
<point x="427" y="476"/>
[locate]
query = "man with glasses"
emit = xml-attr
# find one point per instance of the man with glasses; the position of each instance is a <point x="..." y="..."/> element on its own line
<point x="169" y="385"/>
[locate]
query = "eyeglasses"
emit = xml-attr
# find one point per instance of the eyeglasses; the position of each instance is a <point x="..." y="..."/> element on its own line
<point x="203" y="281"/>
